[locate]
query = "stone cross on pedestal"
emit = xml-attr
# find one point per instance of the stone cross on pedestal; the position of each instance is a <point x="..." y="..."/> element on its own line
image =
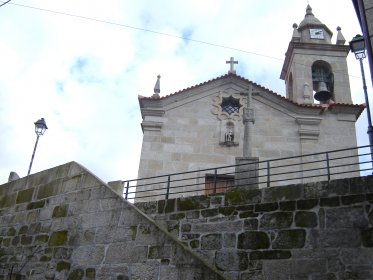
<point x="248" y="120"/>
<point x="247" y="167"/>
<point x="232" y="62"/>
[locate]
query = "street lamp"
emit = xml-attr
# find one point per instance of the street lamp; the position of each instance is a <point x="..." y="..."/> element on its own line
<point x="40" y="127"/>
<point x="357" y="46"/>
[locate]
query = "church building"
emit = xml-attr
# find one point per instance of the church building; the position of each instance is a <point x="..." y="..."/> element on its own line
<point x="203" y="126"/>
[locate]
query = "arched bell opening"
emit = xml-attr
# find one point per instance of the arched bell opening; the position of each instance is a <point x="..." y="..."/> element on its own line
<point x="322" y="81"/>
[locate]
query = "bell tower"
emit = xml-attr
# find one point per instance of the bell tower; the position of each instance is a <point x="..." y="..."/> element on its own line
<point x="315" y="69"/>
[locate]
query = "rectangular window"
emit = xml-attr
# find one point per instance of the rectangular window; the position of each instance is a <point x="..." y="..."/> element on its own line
<point x="223" y="183"/>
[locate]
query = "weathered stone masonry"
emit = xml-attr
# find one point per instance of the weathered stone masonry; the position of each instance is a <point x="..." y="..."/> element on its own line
<point x="313" y="231"/>
<point x="64" y="223"/>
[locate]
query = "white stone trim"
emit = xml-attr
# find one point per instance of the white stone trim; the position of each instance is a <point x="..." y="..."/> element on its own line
<point x="309" y="128"/>
<point x="217" y="110"/>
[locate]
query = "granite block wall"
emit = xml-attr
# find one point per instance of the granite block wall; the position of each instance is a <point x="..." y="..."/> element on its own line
<point x="64" y="223"/>
<point x="312" y="231"/>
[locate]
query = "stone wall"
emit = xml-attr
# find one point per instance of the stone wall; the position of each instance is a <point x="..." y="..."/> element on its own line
<point x="312" y="231"/>
<point x="64" y="223"/>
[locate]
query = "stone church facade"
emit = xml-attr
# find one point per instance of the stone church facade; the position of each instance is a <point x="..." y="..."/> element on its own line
<point x="202" y="126"/>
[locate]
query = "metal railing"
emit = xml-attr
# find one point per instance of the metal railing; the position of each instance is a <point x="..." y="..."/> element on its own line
<point x="314" y="167"/>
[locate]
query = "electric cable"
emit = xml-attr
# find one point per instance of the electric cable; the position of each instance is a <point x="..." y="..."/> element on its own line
<point x="6" y="2"/>
<point x="157" y="33"/>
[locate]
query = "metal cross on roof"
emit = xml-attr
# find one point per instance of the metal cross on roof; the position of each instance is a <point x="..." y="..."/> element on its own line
<point x="232" y="62"/>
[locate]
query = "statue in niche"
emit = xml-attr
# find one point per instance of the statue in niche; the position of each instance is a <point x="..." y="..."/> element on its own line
<point x="229" y="136"/>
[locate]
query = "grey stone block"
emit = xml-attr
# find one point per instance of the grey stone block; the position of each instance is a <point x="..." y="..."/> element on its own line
<point x="266" y="207"/>
<point x="253" y="275"/>
<point x="335" y="238"/>
<point x="185" y="227"/>
<point x="211" y="241"/>
<point x="148" y="270"/>
<point x="283" y="193"/>
<point x="325" y="189"/>
<point x="357" y="256"/>
<point x="229" y="240"/>
<point x="305" y="219"/>
<point x="168" y="273"/>
<point x="289" y="239"/>
<point x="306" y="204"/>
<point x="287" y="205"/>
<point x="253" y="240"/>
<point x="293" y="267"/>
<point x="218" y="227"/>
<point x="88" y="255"/>
<point x="209" y="212"/>
<point x="270" y="255"/>
<point x="250" y="224"/>
<point x="329" y="202"/>
<point x="367" y="237"/>
<point x="101" y="218"/>
<point x="242" y="197"/>
<point x="147" y="207"/>
<point x="193" y="203"/>
<point x="189" y="236"/>
<point x="277" y="220"/>
<point x="231" y="260"/>
<point x="125" y="253"/>
<point x="345" y="218"/>
<point x="370" y="184"/>
<point x="107" y="270"/>
<point x="352" y="199"/>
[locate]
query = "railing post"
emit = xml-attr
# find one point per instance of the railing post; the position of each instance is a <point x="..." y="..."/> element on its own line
<point x="327" y="166"/>
<point x="127" y="188"/>
<point x="214" y="186"/>
<point x="268" y="175"/>
<point x="168" y="186"/>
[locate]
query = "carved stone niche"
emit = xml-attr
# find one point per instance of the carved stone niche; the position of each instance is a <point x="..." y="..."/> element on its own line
<point x="228" y="134"/>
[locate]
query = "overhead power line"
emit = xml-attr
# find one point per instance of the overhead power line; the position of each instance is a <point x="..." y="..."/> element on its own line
<point x="143" y="29"/>
<point x="149" y="31"/>
<point x="6" y="2"/>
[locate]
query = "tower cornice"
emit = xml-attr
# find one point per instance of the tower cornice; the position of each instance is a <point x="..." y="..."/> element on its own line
<point x="309" y="46"/>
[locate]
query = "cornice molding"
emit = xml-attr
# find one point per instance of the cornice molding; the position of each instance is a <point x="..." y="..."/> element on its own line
<point x="154" y="112"/>
<point x="151" y="126"/>
<point x="309" y="128"/>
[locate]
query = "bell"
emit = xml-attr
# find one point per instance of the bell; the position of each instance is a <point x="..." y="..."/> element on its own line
<point x="322" y="94"/>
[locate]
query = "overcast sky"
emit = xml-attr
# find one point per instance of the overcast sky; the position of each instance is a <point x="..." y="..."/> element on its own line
<point x="84" y="76"/>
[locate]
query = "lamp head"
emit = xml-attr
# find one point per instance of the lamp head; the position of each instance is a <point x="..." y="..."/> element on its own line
<point x="40" y="127"/>
<point x="357" y="46"/>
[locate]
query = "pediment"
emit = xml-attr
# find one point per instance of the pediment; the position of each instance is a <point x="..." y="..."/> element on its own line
<point x="232" y="84"/>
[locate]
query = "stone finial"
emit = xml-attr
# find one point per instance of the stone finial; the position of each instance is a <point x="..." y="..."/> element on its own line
<point x="340" y="38"/>
<point x="157" y="87"/>
<point x="309" y="11"/>
<point x="13" y="176"/>
<point x="296" y="34"/>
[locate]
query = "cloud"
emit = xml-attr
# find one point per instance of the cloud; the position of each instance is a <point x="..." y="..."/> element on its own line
<point x="84" y="76"/>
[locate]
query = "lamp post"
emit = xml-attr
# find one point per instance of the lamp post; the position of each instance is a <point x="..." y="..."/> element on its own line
<point x="357" y="46"/>
<point x="40" y="127"/>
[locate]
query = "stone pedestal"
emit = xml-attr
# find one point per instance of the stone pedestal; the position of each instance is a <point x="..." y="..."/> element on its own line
<point x="246" y="175"/>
